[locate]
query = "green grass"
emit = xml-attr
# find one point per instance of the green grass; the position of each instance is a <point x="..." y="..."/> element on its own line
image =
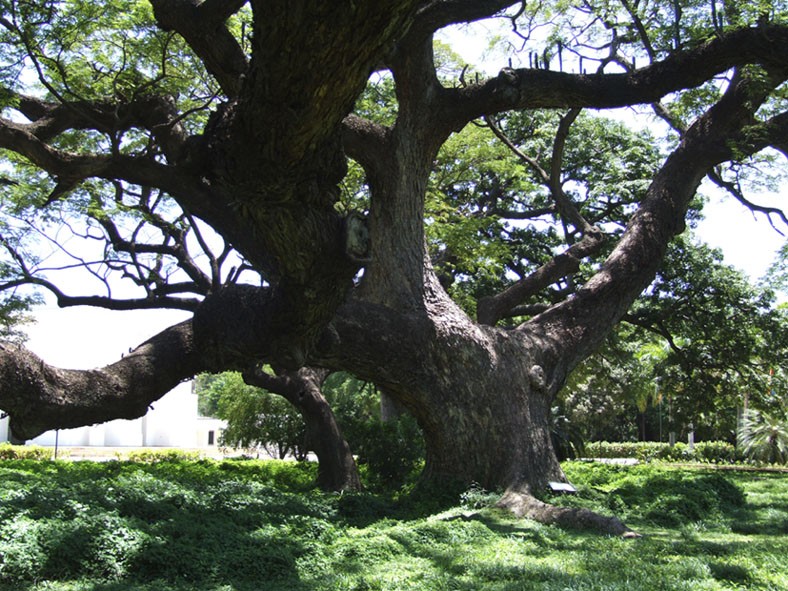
<point x="238" y="526"/>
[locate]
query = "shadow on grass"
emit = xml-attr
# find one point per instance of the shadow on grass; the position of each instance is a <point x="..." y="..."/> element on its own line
<point x="125" y="522"/>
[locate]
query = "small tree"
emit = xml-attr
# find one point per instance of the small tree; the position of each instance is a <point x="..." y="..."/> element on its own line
<point x="764" y="437"/>
<point x="255" y="417"/>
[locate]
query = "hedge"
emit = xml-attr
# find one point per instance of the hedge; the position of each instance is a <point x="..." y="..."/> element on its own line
<point x="24" y="452"/>
<point x="714" y="452"/>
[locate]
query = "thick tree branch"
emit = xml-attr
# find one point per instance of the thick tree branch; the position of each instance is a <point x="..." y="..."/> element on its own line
<point x="575" y="327"/>
<point x="202" y="27"/>
<point x="39" y="397"/>
<point x="155" y="113"/>
<point x="532" y="88"/>
<point x="230" y="330"/>
<point x="365" y="141"/>
<point x="303" y="389"/>
<point x="187" y="188"/>
<point x="491" y="309"/>
<point x="218" y="11"/>
<point x="442" y="13"/>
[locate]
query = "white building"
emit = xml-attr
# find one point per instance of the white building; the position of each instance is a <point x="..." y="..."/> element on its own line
<point x="172" y="422"/>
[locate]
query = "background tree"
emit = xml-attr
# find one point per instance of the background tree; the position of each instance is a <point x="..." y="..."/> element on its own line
<point x="203" y="156"/>
<point x="764" y="437"/>
<point x="390" y="450"/>
<point x="699" y="345"/>
<point x="255" y="417"/>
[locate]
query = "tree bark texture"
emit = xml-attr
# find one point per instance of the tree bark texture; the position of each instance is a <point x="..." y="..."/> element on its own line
<point x="337" y="470"/>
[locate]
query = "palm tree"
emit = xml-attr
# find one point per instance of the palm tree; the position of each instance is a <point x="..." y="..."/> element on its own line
<point x="764" y="437"/>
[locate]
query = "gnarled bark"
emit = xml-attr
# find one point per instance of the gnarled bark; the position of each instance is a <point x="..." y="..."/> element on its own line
<point x="39" y="397"/>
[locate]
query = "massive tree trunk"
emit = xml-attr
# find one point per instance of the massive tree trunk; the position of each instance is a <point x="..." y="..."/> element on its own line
<point x="264" y="174"/>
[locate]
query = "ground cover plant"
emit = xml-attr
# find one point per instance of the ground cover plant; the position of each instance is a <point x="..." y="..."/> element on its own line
<point x="243" y="525"/>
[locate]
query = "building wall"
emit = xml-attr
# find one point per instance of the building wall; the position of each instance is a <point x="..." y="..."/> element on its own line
<point x="209" y="431"/>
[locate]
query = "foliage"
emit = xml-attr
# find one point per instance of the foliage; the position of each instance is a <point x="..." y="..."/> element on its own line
<point x="699" y="338"/>
<point x="714" y="452"/>
<point x="23" y="452"/>
<point x="153" y="456"/>
<point x="14" y="314"/>
<point x="178" y="526"/>
<point x="663" y="497"/>
<point x="255" y="417"/>
<point x="777" y="274"/>
<point x="391" y="451"/>
<point x="764" y="436"/>
<point x="491" y="217"/>
<point x="567" y="439"/>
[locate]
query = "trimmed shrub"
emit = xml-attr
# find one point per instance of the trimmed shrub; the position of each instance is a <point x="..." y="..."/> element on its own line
<point x="23" y="452"/>
<point x="713" y="452"/>
<point x="154" y="456"/>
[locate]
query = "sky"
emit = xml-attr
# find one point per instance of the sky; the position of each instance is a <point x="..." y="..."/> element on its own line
<point x="747" y="240"/>
<point x="83" y="338"/>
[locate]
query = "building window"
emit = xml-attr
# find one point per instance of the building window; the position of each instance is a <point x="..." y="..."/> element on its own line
<point x="211" y="437"/>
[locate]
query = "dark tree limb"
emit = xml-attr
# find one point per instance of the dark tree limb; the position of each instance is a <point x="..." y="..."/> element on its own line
<point x="337" y="470"/>
<point x="532" y="88"/>
<point x="365" y="141"/>
<point x="442" y="13"/>
<point x="155" y="113"/>
<point x="575" y="327"/>
<point x="492" y="308"/>
<point x="39" y="397"/>
<point x="218" y="11"/>
<point x="202" y="27"/>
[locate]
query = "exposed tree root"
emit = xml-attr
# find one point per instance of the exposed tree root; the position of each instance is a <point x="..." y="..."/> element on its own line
<point x="527" y="506"/>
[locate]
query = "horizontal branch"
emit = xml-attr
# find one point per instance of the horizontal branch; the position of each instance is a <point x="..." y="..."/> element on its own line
<point x="184" y="186"/>
<point x="533" y="88"/>
<point x="39" y="397"/>
<point x="364" y="141"/>
<point x="233" y="329"/>
<point x="152" y="112"/>
<point x="230" y="330"/>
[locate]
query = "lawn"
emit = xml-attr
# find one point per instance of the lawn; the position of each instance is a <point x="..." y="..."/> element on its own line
<point x="223" y="526"/>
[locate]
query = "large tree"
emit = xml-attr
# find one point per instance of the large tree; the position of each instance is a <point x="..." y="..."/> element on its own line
<point x="178" y="132"/>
